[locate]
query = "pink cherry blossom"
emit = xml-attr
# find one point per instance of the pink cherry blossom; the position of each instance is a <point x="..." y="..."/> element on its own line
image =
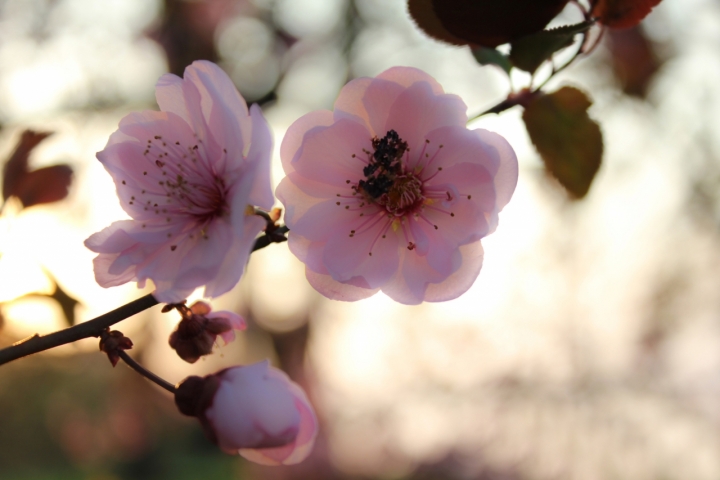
<point x="196" y="333"/>
<point x="390" y="191"/>
<point x="186" y="176"/>
<point x="254" y="410"/>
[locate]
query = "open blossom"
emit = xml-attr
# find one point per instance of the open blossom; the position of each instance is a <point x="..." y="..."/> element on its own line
<point x="390" y="191"/>
<point x="254" y="410"/>
<point x="196" y="333"/>
<point x="186" y="175"/>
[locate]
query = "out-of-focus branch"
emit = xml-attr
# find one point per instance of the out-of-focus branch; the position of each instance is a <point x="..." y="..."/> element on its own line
<point x="91" y="328"/>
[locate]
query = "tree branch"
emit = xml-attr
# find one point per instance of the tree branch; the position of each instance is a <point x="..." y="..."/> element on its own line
<point x="146" y="373"/>
<point x="91" y="328"/>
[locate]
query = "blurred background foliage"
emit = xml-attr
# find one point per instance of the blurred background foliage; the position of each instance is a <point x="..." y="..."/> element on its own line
<point x="589" y="348"/>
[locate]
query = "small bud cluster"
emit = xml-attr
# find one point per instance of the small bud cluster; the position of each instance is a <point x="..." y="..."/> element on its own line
<point x="196" y="334"/>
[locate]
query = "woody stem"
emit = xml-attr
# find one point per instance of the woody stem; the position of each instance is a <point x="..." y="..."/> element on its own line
<point x="146" y="373"/>
<point x="91" y="328"/>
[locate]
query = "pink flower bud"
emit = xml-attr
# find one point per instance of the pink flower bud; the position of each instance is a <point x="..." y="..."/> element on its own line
<point x="254" y="410"/>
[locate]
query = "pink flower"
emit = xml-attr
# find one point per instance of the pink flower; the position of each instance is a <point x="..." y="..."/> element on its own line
<point x="197" y="332"/>
<point x="186" y="176"/>
<point x="254" y="410"/>
<point x="390" y="191"/>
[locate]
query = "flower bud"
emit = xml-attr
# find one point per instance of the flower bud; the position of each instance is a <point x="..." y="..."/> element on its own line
<point x="254" y="410"/>
<point x="111" y="342"/>
<point x="198" y="330"/>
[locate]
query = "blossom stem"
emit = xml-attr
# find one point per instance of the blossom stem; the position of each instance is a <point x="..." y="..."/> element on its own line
<point x="146" y="373"/>
<point x="276" y="236"/>
<point x="92" y="328"/>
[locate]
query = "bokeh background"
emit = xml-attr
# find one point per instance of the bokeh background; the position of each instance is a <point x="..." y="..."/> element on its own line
<point x="589" y="347"/>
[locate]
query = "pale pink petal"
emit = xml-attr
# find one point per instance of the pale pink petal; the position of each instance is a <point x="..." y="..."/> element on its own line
<point x="301" y="447"/>
<point x="258" y="157"/>
<point x="449" y="145"/>
<point x="366" y="254"/>
<point x="308" y="252"/>
<point x="368" y="101"/>
<point x="251" y="408"/>
<point x="349" y="102"/>
<point x="407" y="76"/>
<point x="112" y="239"/>
<point x="101" y="266"/>
<point x="310" y="224"/>
<point x="337" y="143"/>
<point x="418" y="111"/>
<point x="170" y="96"/>
<point x="236" y="259"/>
<point x="336" y="290"/>
<point x="460" y="281"/>
<point x="296" y="133"/>
<point x="507" y="174"/>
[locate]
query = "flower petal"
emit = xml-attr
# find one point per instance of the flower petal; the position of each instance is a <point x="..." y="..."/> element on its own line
<point x="292" y="141"/>
<point x="335" y="290"/>
<point x="418" y="110"/>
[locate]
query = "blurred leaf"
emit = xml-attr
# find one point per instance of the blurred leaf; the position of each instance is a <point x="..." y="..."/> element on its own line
<point x="568" y="140"/>
<point x="622" y="13"/>
<point x="16" y="166"/>
<point x="45" y="185"/>
<point x="491" y="22"/>
<point x="421" y="11"/>
<point x="490" y="56"/>
<point x="66" y="302"/>
<point x="528" y="53"/>
<point x="634" y="61"/>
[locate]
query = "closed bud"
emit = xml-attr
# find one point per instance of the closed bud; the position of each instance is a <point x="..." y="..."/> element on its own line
<point x="255" y="411"/>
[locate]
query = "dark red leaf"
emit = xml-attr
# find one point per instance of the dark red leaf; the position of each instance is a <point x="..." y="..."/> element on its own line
<point x="634" y="60"/>
<point x="622" y="13"/>
<point x="17" y="165"/>
<point x="493" y="22"/>
<point x="422" y="12"/>
<point x="568" y="140"/>
<point x="528" y="53"/>
<point x="45" y="185"/>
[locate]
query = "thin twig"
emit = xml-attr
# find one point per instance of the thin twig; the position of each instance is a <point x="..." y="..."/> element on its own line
<point x="146" y="373"/>
<point x="91" y="328"/>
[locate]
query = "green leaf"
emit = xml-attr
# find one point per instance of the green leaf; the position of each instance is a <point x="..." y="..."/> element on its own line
<point x="568" y="140"/>
<point x="528" y="53"/>
<point x="490" y="56"/>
